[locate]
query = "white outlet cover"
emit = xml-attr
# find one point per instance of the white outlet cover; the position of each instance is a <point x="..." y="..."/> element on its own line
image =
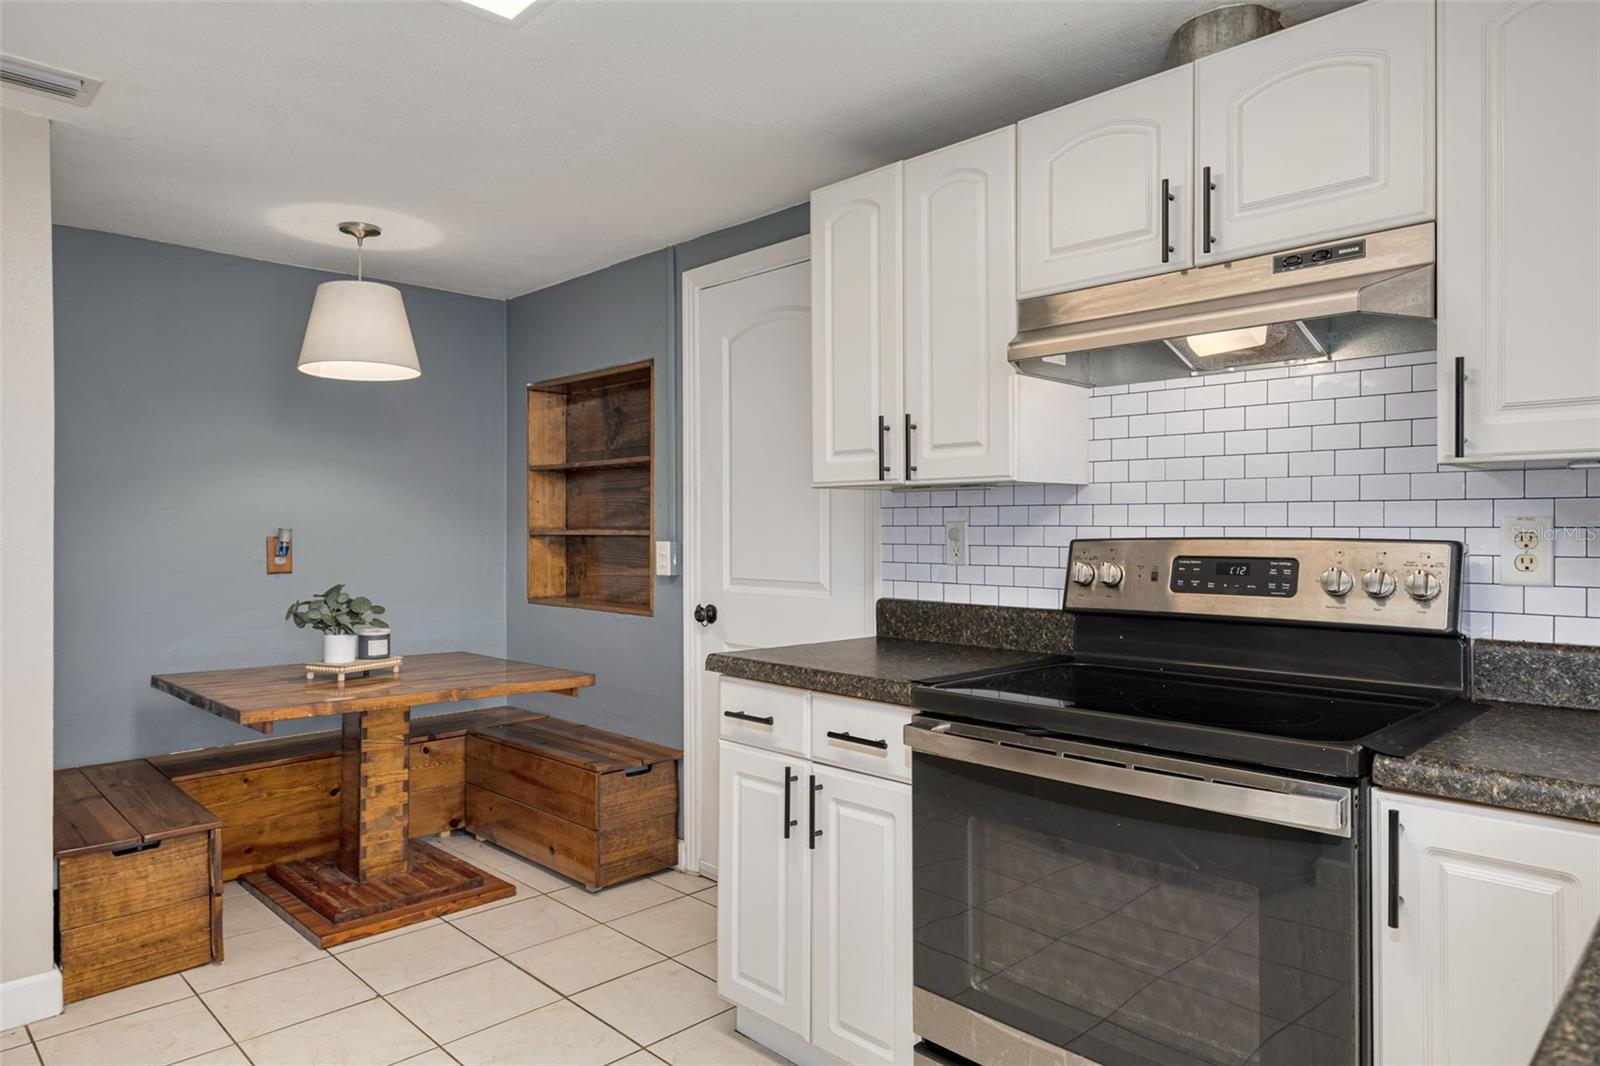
<point x="1527" y="550"/>
<point x="666" y="558"/>
<point x="955" y="543"/>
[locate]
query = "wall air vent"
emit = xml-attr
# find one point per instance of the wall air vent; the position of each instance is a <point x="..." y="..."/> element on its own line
<point x="46" y="80"/>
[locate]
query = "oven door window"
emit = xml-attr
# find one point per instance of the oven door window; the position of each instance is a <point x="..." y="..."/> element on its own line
<point x="1132" y="931"/>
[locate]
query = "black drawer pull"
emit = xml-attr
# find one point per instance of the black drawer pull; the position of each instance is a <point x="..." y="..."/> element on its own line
<point x="149" y="845"/>
<point x="748" y="717"/>
<point x="865" y="742"/>
<point x="635" y="771"/>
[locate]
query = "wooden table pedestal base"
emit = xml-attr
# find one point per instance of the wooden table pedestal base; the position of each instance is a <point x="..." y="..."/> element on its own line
<point x="330" y="907"/>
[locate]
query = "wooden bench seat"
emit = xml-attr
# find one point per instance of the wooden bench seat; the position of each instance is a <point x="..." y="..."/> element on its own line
<point x="598" y="807"/>
<point x="278" y="798"/>
<point x="139" y="876"/>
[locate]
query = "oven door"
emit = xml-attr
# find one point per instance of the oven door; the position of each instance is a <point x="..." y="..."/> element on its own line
<point x="1075" y="900"/>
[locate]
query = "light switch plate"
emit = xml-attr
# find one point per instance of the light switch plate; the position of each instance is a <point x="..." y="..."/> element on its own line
<point x="666" y="558"/>
<point x="1527" y="550"/>
<point x="955" y="543"/>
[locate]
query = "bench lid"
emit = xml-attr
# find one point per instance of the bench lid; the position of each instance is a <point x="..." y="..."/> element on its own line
<point x="581" y="745"/>
<point x="121" y="805"/>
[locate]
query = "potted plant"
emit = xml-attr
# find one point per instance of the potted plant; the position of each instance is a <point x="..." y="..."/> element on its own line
<point x="336" y="615"/>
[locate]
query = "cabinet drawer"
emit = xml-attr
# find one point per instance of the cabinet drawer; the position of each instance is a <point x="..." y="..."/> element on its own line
<point x="858" y="735"/>
<point x="101" y="885"/>
<point x="764" y="716"/>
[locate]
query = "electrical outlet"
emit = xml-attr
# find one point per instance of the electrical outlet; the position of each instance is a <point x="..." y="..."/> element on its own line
<point x="955" y="543"/>
<point x="1527" y="550"/>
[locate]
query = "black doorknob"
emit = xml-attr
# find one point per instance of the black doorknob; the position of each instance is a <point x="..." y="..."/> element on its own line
<point x="705" y="613"/>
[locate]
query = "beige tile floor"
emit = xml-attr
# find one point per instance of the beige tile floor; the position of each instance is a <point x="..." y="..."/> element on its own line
<point x="552" y="975"/>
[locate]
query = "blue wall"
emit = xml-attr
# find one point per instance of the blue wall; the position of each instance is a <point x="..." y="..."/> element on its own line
<point x="184" y="436"/>
<point x="622" y="313"/>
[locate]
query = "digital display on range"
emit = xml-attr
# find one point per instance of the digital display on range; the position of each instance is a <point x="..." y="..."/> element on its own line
<point x="1218" y="576"/>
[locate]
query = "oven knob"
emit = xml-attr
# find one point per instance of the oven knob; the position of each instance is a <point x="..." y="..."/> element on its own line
<point x="1110" y="574"/>
<point x="1423" y="586"/>
<point x="1082" y="574"/>
<point x="1337" y="582"/>
<point x="1378" y="583"/>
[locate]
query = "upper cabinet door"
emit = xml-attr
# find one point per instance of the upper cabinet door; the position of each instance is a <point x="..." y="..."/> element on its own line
<point x="1520" y="152"/>
<point x="960" y="309"/>
<point x="855" y="328"/>
<point x="1318" y="132"/>
<point x="1090" y="188"/>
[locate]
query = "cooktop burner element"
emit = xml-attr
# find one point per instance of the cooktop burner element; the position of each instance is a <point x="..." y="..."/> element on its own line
<point x="1247" y="650"/>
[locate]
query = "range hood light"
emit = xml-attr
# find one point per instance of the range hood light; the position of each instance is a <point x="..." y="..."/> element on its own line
<point x="1206" y="345"/>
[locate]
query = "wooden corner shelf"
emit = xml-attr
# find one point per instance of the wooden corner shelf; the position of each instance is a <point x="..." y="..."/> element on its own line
<point x="591" y="464"/>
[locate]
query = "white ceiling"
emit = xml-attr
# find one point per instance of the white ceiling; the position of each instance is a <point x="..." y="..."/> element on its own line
<point x="500" y="157"/>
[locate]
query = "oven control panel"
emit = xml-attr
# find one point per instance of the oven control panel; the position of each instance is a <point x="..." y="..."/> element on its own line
<point x="1392" y="584"/>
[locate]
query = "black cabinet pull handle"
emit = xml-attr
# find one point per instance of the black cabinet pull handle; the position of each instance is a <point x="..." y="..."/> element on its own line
<point x="1394" y="869"/>
<point x="865" y="742"/>
<point x="883" y="443"/>
<point x="788" y="822"/>
<point x="1207" y="187"/>
<point x="815" y="832"/>
<point x="910" y="425"/>
<point x="1166" y="210"/>
<point x="748" y="717"/>
<point x="1461" y="407"/>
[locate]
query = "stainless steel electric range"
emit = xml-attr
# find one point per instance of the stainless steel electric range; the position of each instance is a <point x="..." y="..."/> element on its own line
<point x="1153" y="851"/>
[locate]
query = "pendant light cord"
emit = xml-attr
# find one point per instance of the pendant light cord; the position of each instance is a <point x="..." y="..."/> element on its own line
<point x="359" y="241"/>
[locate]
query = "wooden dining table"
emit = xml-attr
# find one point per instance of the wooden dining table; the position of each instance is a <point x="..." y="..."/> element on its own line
<point x="379" y="879"/>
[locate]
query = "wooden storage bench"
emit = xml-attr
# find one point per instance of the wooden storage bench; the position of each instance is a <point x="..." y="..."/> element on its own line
<point x="596" y="806"/>
<point x="279" y="799"/>
<point x="140" y="878"/>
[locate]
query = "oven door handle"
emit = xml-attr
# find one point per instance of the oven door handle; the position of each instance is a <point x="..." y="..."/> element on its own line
<point x="1245" y="794"/>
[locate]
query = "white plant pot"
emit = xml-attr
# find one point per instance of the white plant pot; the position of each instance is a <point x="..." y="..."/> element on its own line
<point x="338" y="648"/>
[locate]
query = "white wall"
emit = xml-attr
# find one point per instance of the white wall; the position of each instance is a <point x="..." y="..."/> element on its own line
<point x="1344" y="449"/>
<point x="31" y="986"/>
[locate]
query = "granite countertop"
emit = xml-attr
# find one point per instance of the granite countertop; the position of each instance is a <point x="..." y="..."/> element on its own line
<point x="1521" y="756"/>
<point x="868" y="668"/>
<point x="1573" y="1038"/>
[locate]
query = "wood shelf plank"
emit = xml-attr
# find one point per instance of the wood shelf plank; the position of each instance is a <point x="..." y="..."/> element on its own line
<point x="588" y="532"/>
<point x="591" y="603"/>
<point x="590" y="464"/>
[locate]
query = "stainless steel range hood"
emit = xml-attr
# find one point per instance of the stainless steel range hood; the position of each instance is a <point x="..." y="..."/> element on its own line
<point x="1367" y="295"/>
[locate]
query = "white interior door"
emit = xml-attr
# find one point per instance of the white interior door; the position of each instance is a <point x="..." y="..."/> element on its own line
<point x="781" y="561"/>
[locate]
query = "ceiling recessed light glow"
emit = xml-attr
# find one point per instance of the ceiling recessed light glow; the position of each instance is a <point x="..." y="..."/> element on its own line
<point x="506" y="9"/>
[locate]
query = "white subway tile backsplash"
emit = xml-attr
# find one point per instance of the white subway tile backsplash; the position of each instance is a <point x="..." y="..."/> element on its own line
<point x="1340" y="450"/>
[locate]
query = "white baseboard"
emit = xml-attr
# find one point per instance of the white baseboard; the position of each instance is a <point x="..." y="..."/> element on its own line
<point x="30" y="999"/>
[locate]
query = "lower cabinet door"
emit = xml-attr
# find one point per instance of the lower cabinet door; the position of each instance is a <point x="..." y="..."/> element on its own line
<point x="762" y="864"/>
<point x="1487" y="916"/>
<point x="861" y="918"/>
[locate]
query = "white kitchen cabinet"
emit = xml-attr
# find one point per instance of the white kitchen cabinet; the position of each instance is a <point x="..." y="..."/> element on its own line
<point x="910" y="323"/>
<point x="814" y="931"/>
<point x="1519" y="152"/>
<point x="1103" y="191"/>
<point x="1495" y="910"/>
<point x="856" y="354"/>
<point x="1321" y="131"/>
<point x="762" y="887"/>
<point x="960" y="232"/>
<point x="860" y="923"/>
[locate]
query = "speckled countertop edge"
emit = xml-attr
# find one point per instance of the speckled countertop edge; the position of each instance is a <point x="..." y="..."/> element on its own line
<point x="1573" y="1037"/>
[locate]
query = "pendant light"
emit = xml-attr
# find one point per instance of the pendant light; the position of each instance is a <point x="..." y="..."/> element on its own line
<point x="358" y="329"/>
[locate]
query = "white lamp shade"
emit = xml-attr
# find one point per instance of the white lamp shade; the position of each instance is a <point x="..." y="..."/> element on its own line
<point x="359" y="332"/>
